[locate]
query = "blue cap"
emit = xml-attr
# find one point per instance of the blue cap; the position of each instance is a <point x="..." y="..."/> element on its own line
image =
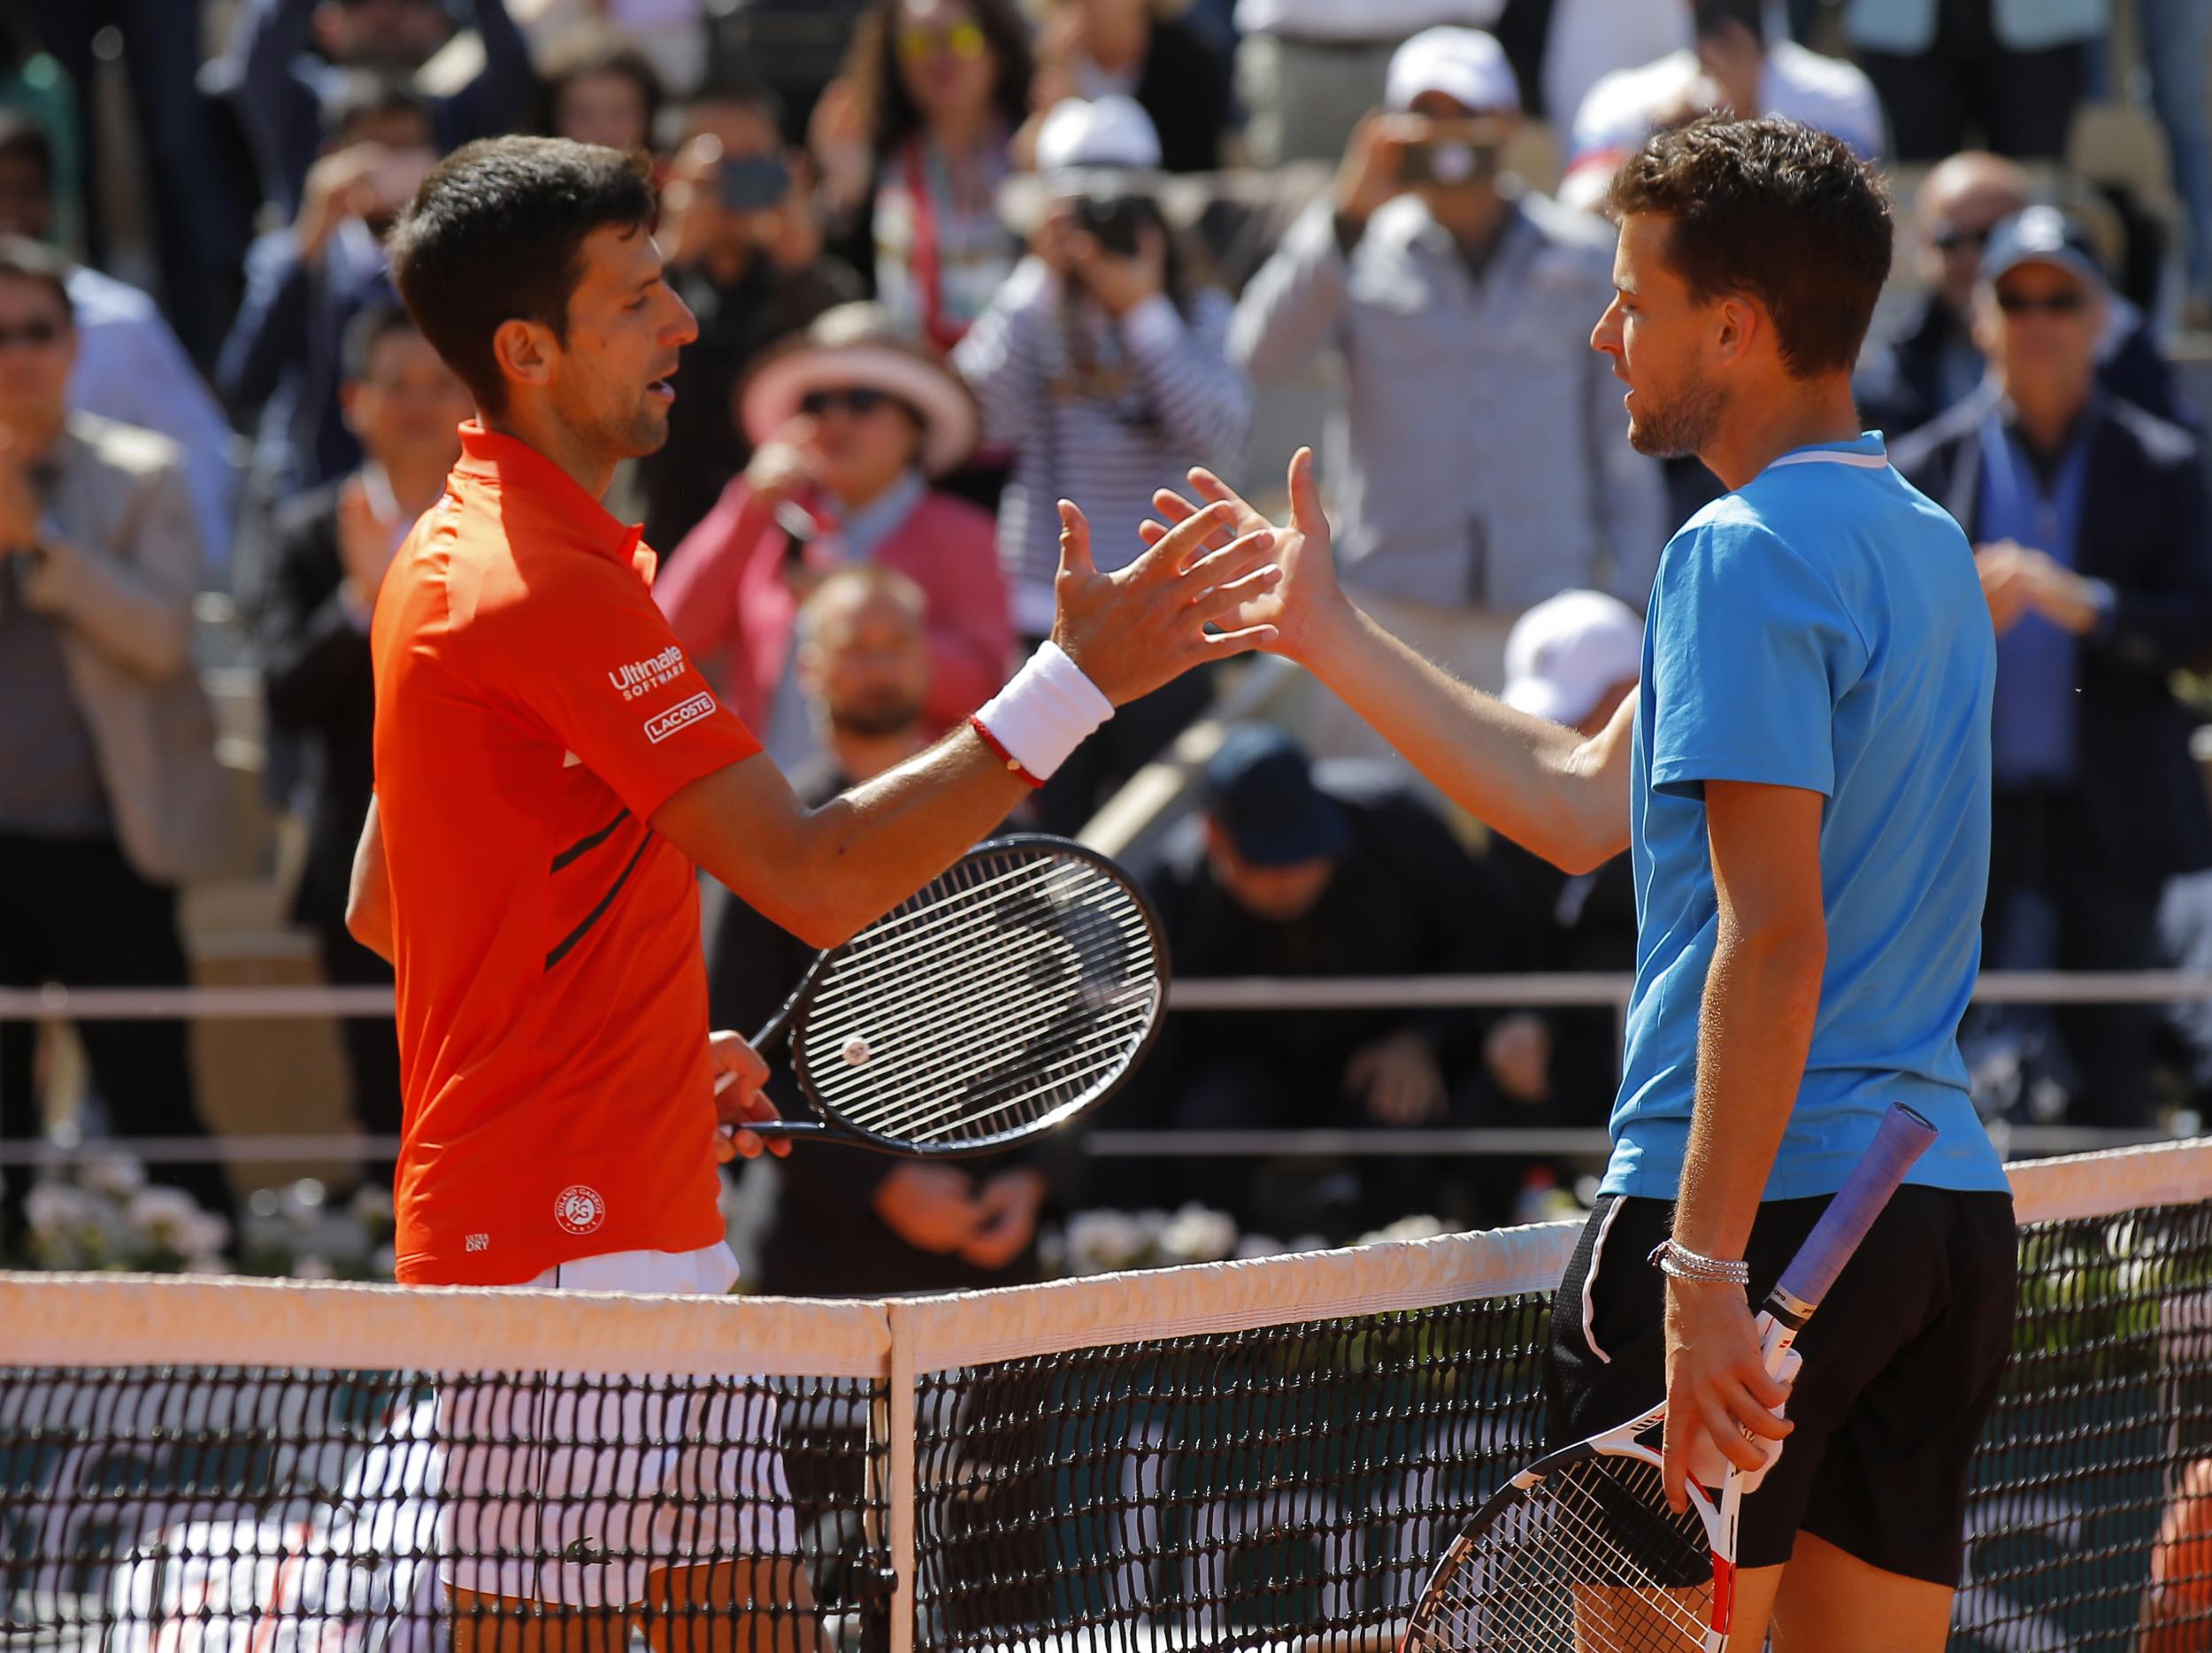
<point x="2042" y="235"/>
<point x="1260" y="788"/>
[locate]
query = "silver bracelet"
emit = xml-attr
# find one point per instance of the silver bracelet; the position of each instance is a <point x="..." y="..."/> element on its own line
<point x="1684" y="1263"/>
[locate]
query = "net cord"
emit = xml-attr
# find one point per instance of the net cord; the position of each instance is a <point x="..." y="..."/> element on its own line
<point x="120" y="1319"/>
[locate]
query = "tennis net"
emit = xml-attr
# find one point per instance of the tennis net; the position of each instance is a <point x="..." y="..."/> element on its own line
<point x="1247" y="1456"/>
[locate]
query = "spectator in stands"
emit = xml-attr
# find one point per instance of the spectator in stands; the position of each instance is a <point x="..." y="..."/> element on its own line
<point x="306" y="282"/>
<point x="109" y="790"/>
<point x="2177" y="49"/>
<point x="1731" y="68"/>
<point x="1572" y="658"/>
<point x="331" y="547"/>
<point x="289" y="59"/>
<point x="131" y="367"/>
<point x="1308" y="69"/>
<point x="2000" y="74"/>
<point x="1108" y="368"/>
<point x="851" y="422"/>
<point x="1140" y="50"/>
<point x="913" y="145"/>
<point x="746" y="255"/>
<point x="1587" y="40"/>
<point x="195" y="187"/>
<point x="2094" y="535"/>
<point x="1933" y="361"/>
<point x="836" y="1221"/>
<point x="596" y="87"/>
<point x="671" y="33"/>
<point x="34" y="87"/>
<point x="1288" y="878"/>
<point x="1478" y="441"/>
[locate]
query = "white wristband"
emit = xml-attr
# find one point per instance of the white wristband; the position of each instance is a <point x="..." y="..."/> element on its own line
<point x="1046" y="711"/>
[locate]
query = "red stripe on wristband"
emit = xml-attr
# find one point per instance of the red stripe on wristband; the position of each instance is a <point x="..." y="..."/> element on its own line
<point x="983" y="733"/>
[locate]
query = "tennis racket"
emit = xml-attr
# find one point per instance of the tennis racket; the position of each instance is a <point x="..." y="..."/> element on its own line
<point x="1579" y="1551"/>
<point x="1010" y="995"/>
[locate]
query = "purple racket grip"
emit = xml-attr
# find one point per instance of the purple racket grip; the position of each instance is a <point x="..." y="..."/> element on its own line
<point x="1903" y="1137"/>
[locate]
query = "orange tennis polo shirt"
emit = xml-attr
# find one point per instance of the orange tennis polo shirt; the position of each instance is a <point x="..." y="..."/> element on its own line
<point x="533" y="711"/>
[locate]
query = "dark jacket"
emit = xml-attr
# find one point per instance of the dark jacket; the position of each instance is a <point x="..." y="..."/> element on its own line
<point x="315" y="677"/>
<point x="1900" y="387"/>
<point x="2146" y="532"/>
<point x="1184" y="87"/>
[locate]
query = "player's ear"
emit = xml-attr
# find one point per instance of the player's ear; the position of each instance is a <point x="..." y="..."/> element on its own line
<point x="525" y="350"/>
<point x="1737" y="324"/>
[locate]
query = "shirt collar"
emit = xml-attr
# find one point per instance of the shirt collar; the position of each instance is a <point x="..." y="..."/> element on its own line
<point x="874" y="522"/>
<point x="1866" y="452"/>
<point x="509" y="463"/>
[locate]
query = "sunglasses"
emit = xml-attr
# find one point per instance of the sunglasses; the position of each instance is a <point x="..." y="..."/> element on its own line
<point x="856" y="399"/>
<point x="918" y="43"/>
<point x="38" y="335"/>
<point x="1960" y="240"/>
<point x="2049" y="304"/>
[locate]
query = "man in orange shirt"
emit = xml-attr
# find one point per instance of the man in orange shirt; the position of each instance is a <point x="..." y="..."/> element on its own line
<point x="551" y="771"/>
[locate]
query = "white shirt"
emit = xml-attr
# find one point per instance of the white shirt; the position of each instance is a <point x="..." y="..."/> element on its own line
<point x="1590" y="39"/>
<point x="1368" y="19"/>
<point x="1621" y="110"/>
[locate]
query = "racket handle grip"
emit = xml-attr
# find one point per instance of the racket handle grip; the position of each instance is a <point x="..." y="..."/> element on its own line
<point x="1903" y="1137"/>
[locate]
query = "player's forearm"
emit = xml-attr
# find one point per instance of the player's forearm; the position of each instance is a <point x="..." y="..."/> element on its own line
<point x="1544" y="786"/>
<point x="867" y="850"/>
<point x="1762" y="997"/>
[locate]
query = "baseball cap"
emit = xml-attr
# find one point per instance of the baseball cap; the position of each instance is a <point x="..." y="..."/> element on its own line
<point x="1259" y="786"/>
<point x="1463" y="63"/>
<point x="2042" y="235"/>
<point x="1111" y="132"/>
<point x="1563" y="654"/>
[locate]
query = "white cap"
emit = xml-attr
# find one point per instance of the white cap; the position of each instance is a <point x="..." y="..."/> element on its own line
<point x="1111" y="132"/>
<point x="1463" y="63"/>
<point x="1563" y="654"/>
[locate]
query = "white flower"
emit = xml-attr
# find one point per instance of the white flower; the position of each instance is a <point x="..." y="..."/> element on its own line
<point x="162" y="1216"/>
<point x="204" y="1262"/>
<point x="1259" y="1245"/>
<point x="1406" y="1228"/>
<point x="312" y="1267"/>
<point x="203" y="1234"/>
<point x="373" y="1205"/>
<point x="384" y="1262"/>
<point x="1195" y="1235"/>
<point x="1100" y="1241"/>
<point x="53" y="1209"/>
<point x="111" y="1173"/>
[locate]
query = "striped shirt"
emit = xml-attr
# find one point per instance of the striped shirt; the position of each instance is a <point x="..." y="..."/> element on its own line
<point x="1103" y="411"/>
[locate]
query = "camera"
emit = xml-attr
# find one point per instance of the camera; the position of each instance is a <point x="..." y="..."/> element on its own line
<point x="1454" y="155"/>
<point x="753" y="184"/>
<point x="1113" y="221"/>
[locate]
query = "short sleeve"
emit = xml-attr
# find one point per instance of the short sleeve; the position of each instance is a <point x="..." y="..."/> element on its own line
<point x="1752" y="648"/>
<point x="589" y="656"/>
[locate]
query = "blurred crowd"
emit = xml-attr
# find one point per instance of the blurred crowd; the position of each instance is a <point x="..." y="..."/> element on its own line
<point x="953" y="260"/>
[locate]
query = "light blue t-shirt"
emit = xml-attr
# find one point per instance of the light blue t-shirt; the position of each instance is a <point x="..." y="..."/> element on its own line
<point x="1822" y="627"/>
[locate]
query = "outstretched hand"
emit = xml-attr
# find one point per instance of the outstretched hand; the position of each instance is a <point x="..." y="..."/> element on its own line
<point x="1143" y="625"/>
<point x="1305" y="606"/>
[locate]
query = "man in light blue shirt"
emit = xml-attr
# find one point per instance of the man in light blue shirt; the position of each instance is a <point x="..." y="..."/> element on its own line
<point x="1802" y="777"/>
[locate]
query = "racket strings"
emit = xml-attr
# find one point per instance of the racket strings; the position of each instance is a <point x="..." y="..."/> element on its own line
<point x="1591" y="1559"/>
<point x="1005" y="995"/>
<point x="994" y="995"/>
<point x="870" y="987"/>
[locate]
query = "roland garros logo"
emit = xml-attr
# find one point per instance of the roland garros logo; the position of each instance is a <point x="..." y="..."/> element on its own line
<point x="580" y="1209"/>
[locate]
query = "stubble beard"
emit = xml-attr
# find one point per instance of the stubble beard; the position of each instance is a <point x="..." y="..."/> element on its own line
<point x="1682" y="429"/>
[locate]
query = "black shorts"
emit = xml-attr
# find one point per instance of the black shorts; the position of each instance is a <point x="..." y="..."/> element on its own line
<point x="1901" y="1365"/>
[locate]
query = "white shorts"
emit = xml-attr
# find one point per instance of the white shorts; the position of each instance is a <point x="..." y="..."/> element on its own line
<point x="567" y="1487"/>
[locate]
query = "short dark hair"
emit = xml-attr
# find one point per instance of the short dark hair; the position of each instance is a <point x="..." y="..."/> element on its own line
<point x="23" y="139"/>
<point x="1778" y="212"/>
<point x="737" y="91"/>
<point x="28" y="260"/>
<point x="368" y="330"/>
<point x="496" y="234"/>
<point x="595" y="48"/>
<point x="361" y="95"/>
